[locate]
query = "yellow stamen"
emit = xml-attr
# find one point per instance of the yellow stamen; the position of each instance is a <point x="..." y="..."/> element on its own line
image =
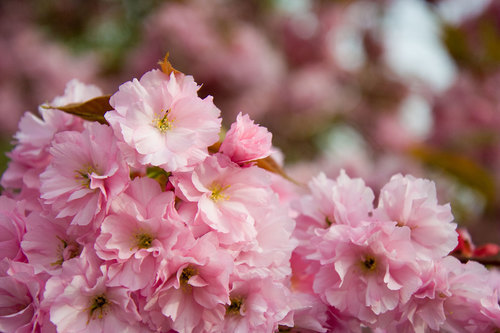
<point x="217" y="192"/>
<point x="143" y="240"/>
<point x="186" y="274"/>
<point x="162" y="122"/>
<point x="235" y="306"/>
<point x="369" y="264"/>
<point x="83" y="175"/>
<point x="99" y="306"/>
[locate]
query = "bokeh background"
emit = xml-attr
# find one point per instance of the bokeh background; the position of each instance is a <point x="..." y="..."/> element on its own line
<point x="374" y="87"/>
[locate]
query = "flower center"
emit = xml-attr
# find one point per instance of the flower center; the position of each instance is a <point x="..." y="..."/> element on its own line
<point x="83" y="175"/>
<point x="186" y="274"/>
<point x="99" y="306"/>
<point x="143" y="240"/>
<point x="235" y="306"/>
<point x="163" y="123"/>
<point x="329" y="221"/>
<point x="369" y="264"/>
<point x="217" y="192"/>
<point x="66" y="251"/>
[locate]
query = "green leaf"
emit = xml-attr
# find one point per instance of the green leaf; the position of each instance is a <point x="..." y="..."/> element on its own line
<point x="158" y="174"/>
<point x="92" y="110"/>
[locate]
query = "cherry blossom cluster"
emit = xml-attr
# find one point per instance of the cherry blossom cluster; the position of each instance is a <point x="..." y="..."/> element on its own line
<point x="148" y="221"/>
<point x="135" y="227"/>
<point x="387" y="267"/>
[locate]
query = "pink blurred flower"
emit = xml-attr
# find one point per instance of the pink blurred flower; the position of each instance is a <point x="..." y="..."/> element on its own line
<point x="412" y="204"/>
<point x="34" y="66"/>
<point x="246" y="141"/>
<point x="80" y="182"/>
<point x="473" y="303"/>
<point x="160" y="120"/>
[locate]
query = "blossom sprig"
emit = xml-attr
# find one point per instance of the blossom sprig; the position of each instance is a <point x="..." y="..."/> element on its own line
<point x="128" y="213"/>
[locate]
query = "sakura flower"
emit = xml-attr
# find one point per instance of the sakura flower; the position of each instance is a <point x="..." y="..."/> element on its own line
<point x="21" y="292"/>
<point x="195" y="295"/>
<point x="160" y="120"/>
<point x="309" y="313"/>
<point x="12" y="228"/>
<point x="246" y="141"/>
<point x="31" y="155"/>
<point x="226" y="195"/>
<point x="366" y="271"/>
<point x="257" y="305"/>
<point x="137" y="236"/>
<point x="343" y="201"/>
<point x="473" y="303"/>
<point x="48" y="242"/>
<point x="425" y="310"/>
<point x="79" y="183"/>
<point x="273" y="246"/>
<point x="412" y="203"/>
<point x="80" y="301"/>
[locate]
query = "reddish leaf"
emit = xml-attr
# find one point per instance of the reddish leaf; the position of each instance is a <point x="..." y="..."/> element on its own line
<point x="92" y="110"/>
<point x="270" y="164"/>
<point x="166" y="66"/>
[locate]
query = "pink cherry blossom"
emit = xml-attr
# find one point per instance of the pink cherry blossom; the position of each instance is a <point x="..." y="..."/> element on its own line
<point x="141" y="231"/>
<point x="366" y="271"/>
<point x="12" y="228"/>
<point x="48" y="242"/>
<point x="246" y="141"/>
<point x="412" y="203"/>
<point x="226" y="195"/>
<point x="273" y="245"/>
<point x="79" y="299"/>
<point x="160" y="120"/>
<point x="196" y="293"/>
<point x="343" y="201"/>
<point x="256" y="305"/>
<point x="79" y="183"/>
<point x="472" y="305"/>
<point x="21" y="292"/>
<point x="309" y="312"/>
<point x="31" y="155"/>
<point x="425" y="310"/>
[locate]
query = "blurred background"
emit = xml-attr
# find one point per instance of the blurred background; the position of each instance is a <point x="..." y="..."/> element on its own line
<point x="374" y="87"/>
